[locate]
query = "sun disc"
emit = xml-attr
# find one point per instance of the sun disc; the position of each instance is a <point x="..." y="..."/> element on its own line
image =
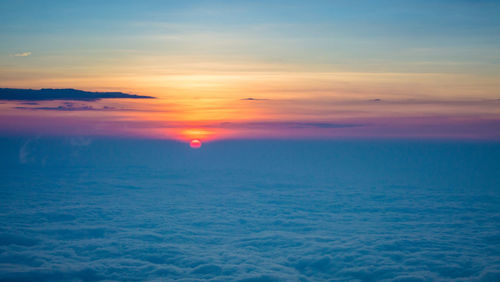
<point x="195" y="144"/>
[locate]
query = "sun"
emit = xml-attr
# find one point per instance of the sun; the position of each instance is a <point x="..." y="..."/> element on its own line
<point x="195" y="144"/>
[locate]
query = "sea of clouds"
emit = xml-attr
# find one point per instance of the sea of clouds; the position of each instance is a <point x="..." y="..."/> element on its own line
<point x="134" y="210"/>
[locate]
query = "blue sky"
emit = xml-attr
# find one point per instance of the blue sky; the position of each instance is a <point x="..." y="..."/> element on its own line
<point x="355" y="35"/>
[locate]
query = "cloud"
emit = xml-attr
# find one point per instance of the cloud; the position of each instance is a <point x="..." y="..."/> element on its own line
<point x="80" y="141"/>
<point x="23" y="54"/>
<point x="28" y="152"/>
<point x="62" y="94"/>
<point x="70" y="107"/>
<point x="323" y="125"/>
<point x="253" y="99"/>
<point x="253" y="211"/>
<point x="288" y="124"/>
<point x="444" y="102"/>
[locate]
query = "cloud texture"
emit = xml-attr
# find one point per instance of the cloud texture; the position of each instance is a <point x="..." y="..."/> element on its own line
<point x="268" y="211"/>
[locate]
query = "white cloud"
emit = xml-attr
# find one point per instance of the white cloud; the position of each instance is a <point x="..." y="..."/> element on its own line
<point x="23" y="54"/>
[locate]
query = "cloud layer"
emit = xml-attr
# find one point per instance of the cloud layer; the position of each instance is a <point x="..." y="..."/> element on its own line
<point x="273" y="211"/>
<point x="62" y="94"/>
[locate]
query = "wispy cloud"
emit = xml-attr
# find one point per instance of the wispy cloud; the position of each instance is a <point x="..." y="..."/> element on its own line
<point x="22" y="54"/>
<point x="71" y="107"/>
<point x="67" y="109"/>
<point x="289" y="124"/>
<point x="253" y="99"/>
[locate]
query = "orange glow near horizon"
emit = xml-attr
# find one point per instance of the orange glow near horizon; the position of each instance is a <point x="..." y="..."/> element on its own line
<point x="274" y="105"/>
<point x="196" y="134"/>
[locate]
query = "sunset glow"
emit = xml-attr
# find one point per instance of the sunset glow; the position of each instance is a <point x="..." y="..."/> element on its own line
<point x="228" y="74"/>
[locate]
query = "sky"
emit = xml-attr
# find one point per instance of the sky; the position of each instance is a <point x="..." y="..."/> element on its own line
<point x="255" y="69"/>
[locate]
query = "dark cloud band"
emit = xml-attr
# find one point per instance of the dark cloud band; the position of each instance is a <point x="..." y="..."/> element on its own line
<point x="62" y="94"/>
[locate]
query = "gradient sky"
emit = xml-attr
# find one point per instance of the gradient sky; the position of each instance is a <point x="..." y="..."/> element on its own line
<point x="313" y="69"/>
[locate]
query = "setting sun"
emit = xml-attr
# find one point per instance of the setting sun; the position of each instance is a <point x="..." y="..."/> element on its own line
<point x="195" y="144"/>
